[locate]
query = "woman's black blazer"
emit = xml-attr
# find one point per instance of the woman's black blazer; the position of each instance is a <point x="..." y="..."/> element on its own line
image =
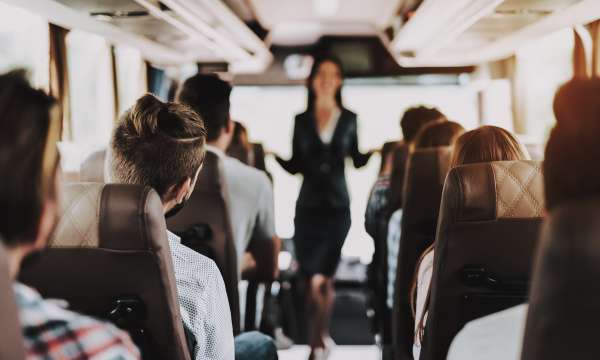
<point x="322" y="165"/>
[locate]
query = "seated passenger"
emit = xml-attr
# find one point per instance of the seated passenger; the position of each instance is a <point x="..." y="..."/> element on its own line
<point x="433" y="134"/>
<point x="570" y="173"/>
<point x="29" y="195"/>
<point x="484" y="144"/>
<point x="379" y="206"/>
<point x="162" y="145"/>
<point x="249" y="189"/>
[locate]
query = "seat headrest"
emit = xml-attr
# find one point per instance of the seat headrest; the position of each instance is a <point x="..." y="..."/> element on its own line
<point x="11" y="346"/>
<point x="212" y="173"/>
<point x="495" y="190"/>
<point x="92" y="168"/>
<point x="428" y="162"/>
<point x="109" y="216"/>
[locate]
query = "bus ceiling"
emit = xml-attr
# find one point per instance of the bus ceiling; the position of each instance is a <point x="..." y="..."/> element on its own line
<point x="385" y="38"/>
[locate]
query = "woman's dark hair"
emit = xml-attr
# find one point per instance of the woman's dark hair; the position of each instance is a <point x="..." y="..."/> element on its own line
<point x="484" y="144"/>
<point x="572" y="160"/>
<point x="240" y="147"/>
<point x="439" y="133"/>
<point x="28" y="157"/>
<point x="313" y="73"/>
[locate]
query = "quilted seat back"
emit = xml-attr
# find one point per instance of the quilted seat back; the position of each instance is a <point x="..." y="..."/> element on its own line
<point x="488" y="227"/>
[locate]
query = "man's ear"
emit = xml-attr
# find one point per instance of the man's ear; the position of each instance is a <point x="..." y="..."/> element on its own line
<point x="230" y="126"/>
<point x="182" y="190"/>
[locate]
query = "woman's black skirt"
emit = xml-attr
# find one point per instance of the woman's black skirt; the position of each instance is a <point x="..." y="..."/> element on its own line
<point x="319" y="237"/>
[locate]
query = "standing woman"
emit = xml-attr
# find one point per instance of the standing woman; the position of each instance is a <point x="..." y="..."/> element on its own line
<point x="324" y="136"/>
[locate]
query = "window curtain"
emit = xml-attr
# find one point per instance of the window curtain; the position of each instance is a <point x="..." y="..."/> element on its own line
<point x="59" y="78"/>
<point x="594" y="29"/>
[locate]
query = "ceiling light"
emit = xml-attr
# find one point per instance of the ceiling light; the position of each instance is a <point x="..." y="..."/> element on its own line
<point x="326" y="8"/>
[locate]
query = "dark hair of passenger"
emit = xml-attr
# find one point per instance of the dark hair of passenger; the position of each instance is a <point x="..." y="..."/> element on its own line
<point x="157" y="144"/>
<point x="208" y="95"/>
<point x="313" y="73"/>
<point x="28" y="157"/>
<point x="484" y="144"/>
<point x="438" y="133"/>
<point x="415" y="118"/>
<point x="572" y="159"/>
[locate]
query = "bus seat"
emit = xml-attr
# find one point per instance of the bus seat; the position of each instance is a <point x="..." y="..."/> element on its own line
<point x="564" y="318"/>
<point x="92" y="168"/>
<point x="425" y="173"/>
<point x="387" y="150"/>
<point x="11" y="346"/>
<point x="109" y="258"/>
<point x="399" y="158"/>
<point x="208" y="205"/>
<point x="490" y="217"/>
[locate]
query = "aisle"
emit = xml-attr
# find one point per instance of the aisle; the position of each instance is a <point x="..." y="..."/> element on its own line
<point x="343" y="352"/>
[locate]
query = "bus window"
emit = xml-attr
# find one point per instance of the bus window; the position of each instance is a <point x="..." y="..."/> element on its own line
<point x="131" y="76"/>
<point x="92" y="98"/>
<point x="24" y="43"/>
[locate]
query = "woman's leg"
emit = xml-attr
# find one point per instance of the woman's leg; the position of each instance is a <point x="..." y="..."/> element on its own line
<point x="318" y="285"/>
<point x="328" y="297"/>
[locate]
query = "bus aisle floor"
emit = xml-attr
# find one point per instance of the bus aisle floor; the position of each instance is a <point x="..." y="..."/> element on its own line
<point x="340" y="352"/>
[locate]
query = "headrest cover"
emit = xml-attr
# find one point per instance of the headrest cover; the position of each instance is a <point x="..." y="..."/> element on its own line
<point x="496" y="190"/>
<point x="78" y="214"/>
<point x="112" y="216"/>
<point x="93" y="167"/>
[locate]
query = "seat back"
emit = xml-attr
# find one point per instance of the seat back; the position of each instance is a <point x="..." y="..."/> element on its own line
<point x="425" y="173"/>
<point x="488" y="228"/>
<point x="11" y="346"/>
<point x="110" y="258"/>
<point x="387" y="150"/>
<point x="564" y="304"/>
<point x="92" y="168"/>
<point x="208" y="205"/>
<point x="399" y="159"/>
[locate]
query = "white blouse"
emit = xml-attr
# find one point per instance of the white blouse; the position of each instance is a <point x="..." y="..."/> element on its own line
<point x="423" y="282"/>
<point x="326" y="134"/>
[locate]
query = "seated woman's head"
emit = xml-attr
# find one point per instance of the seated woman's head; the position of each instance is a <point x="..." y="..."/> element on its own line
<point x="29" y="163"/>
<point x="438" y="133"/>
<point x="572" y="159"/>
<point x="487" y="143"/>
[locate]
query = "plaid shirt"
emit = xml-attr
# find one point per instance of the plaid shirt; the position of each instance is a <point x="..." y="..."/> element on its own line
<point x="376" y="206"/>
<point x="52" y="332"/>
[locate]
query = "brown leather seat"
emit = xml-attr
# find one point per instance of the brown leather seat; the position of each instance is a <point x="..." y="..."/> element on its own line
<point x="425" y="173"/>
<point x="399" y="159"/>
<point x="208" y="205"/>
<point x="110" y="253"/>
<point x="488" y="229"/>
<point x="92" y="168"/>
<point x="563" y="320"/>
<point x="387" y="150"/>
<point x="11" y="345"/>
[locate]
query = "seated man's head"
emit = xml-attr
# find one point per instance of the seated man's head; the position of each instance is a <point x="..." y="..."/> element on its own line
<point x="572" y="161"/>
<point x="160" y="145"/>
<point x="29" y="167"/>
<point x="208" y="95"/>
<point x="415" y="118"/>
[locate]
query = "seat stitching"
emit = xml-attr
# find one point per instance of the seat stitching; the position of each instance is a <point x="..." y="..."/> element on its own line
<point x="524" y="186"/>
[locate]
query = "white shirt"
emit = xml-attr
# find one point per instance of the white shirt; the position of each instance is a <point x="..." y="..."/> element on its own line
<point x="497" y="336"/>
<point x="326" y="134"/>
<point x="250" y="199"/>
<point x="423" y="282"/>
<point x="203" y="302"/>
